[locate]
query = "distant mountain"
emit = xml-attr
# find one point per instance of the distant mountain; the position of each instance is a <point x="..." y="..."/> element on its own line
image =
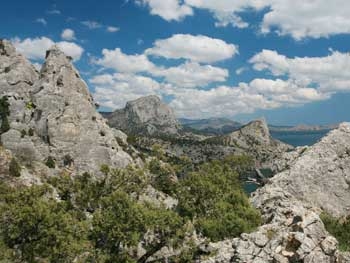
<point x="221" y="126"/>
<point x="211" y="126"/>
<point x="302" y="127"/>
<point x="144" y="116"/>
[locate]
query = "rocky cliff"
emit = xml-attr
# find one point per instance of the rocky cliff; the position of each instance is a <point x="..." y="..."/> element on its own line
<point x="52" y="115"/>
<point x="146" y="116"/>
<point x="255" y="139"/>
<point x="315" y="181"/>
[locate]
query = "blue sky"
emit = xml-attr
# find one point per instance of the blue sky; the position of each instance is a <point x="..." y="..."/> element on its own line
<point x="285" y="60"/>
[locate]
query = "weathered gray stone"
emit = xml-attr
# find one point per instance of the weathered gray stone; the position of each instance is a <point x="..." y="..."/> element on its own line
<point x="146" y="116"/>
<point x="54" y="115"/>
<point x="290" y="207"/>
<point x="329" y="245"/>
<point x="319" y="175"/>
<point x="255" y="139"/>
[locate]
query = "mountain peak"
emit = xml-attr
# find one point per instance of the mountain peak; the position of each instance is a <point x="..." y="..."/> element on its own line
<point x="55" y="51"/>
<point x="55" y="59"/>
<point x="258" y="129"/>
<point x="145" y="115"/>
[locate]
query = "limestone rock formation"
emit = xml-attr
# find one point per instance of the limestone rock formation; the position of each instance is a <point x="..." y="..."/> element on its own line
<point x="321" y="174"/>
<point x="54" y="115"/>
<point x="315" y="180"/>
<point x="255" y="139"/>
<point x="17" y="75"/>
<point x="146" y="116"/>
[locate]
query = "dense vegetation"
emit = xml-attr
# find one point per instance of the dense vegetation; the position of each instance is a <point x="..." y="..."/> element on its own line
<point x="83" y="219"/>
<point x="339" y="228"/>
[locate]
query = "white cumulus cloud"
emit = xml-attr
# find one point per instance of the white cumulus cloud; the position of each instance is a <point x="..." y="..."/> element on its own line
<point x="35" y="48"/>
<point x="114" y="90"/>
<point x="68" y="34"/>
<point x="188" y="74"/>
<point x="121" y="62"/>
<point x="167" y="9"/>
<point x="327" y="73"/>
<point x="195" y="48"/>
<point x="192" y="74"/>
<point x="297" y="18"/>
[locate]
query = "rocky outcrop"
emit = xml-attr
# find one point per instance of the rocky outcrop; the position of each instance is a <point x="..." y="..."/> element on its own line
<point x="255" y="139"/>
<point x="293" y="232"/>
<point x="52" y="114"/>
<point x="145" y="116"/>
<point x="315" y="180"/>
<point x="17" y="75"/>
<point x="321" y="174"/>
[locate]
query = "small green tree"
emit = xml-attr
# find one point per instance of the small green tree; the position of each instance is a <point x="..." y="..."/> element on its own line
<point x="214" y="199"/>
<point x="23" y="133"/>
<point x="30" y="132"/>
<point x="14" y="168"/>
<point x="39" y="229"/>
<point x="118" y="224"/>
<point x="163" y="173"/>
<point x="50" y="162"/>
<point x="4" y="113"/>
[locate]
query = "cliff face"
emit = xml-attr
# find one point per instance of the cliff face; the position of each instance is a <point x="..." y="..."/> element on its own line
<point x="317" y="180"/>
<point x="53" y="114"/>
<point x="320" y="175"/>
<point x="145" y="116"/>
<point x="254" y="139"/>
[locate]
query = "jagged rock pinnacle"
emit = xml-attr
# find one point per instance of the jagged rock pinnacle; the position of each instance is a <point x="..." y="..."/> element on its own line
<point x="59" y="111"/>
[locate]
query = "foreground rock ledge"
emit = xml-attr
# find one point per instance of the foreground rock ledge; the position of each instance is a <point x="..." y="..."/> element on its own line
<point x="318" y="179"/>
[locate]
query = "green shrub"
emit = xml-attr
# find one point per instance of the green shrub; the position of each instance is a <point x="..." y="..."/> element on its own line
<point x="162" y="176"/>
<point x="23" y="133"/>
<point x="4" y="113"/>
<point x="30" y="132"/>
<point x="103" y="219"/>
<point x="14" y="168"/>
<point x="30" y="105"/>
<point x="339" y="228"/>
<point x="105" y="169"/>
<point x="214" y="197"/>
<point x="50" y="162"/>
<point x="39" y="229"/>
<point x="131" y="139"/>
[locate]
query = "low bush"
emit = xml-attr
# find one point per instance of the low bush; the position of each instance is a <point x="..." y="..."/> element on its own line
<point x="14" y="168"/>
<point x="339" y="228"/>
